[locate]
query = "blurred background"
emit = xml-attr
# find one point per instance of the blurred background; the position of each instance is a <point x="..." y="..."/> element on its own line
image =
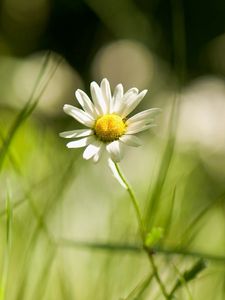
<point x="62" y="218"/>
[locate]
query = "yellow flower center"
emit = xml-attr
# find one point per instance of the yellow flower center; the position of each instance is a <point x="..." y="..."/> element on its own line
<point x="109" y="127"/>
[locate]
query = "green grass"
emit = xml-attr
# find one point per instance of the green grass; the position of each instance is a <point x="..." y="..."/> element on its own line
<point x="69" y="230"/>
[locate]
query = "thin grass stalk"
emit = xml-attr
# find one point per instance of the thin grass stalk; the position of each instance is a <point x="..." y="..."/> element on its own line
<point x="143" y="232"/>
<point x="9" y="217"/>
<point x="28" y="108"/>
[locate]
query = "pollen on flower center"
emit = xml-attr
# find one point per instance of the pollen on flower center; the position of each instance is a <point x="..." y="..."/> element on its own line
<point x="109" y="127"/>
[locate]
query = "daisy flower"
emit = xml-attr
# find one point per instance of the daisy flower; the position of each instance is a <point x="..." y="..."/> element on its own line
<point x="108" y="124"/>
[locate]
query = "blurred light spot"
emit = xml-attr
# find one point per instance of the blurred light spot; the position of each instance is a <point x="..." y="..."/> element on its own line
<point x="202" y="113"/>
<point x="60" y="89"/>
<point x="125" y="61"/>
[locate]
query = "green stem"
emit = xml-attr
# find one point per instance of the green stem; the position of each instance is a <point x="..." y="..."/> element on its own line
<point x="157" y="277"/>
<point x="134" y="202"/>
<point x="142" y="231"/>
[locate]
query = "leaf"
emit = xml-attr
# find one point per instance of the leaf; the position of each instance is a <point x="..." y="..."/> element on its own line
<point x="189" y="275"/>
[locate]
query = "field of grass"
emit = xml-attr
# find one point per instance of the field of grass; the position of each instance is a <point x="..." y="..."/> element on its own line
<point x="68" y="229"/>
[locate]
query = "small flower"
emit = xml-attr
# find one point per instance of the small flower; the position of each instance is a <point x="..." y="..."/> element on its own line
<point x="107" y="121"/>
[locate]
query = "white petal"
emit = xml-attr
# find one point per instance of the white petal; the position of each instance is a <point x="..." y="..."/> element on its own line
<point x="138" y="124"/>
<point x="86" y="103"/>
<point x="117" y="97"/>
<point x="138" y="128"/>
<point x="76" y="133"/>
<point x="131" y="140"/>
<point x="144" y="115"/>
<point x="115" y="173"/>
<point x="121" y="105"/>
<point x="132" y="103"/>
<point x="98" y="98"/>
<point x="115" y="150"/>
<point x="79" y="115"/>
<point x="91" y="150"/>
<point x="98" y="155"/>
<point x="80" y="143"/>
<point x="106" y="92"/>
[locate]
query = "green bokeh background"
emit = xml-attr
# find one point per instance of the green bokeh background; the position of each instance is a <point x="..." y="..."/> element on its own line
<point x="68" y="230"/>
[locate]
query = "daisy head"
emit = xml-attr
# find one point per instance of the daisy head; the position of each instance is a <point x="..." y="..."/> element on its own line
<point x="107" y="121"/>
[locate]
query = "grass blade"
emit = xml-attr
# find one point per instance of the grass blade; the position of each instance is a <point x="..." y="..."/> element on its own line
<point x="138" y="291"/>
<point x="27" y="109"/>
<point x="98" y="246"/>
<point x="188" y="275"/>
<point x="133" y="248"/>
<point x="9" y="217"/>
<point x="154" y="198"/>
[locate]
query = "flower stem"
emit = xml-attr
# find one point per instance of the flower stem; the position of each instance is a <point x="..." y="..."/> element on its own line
<point x="142" y="231"/>
<point x="134" y="202"/>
